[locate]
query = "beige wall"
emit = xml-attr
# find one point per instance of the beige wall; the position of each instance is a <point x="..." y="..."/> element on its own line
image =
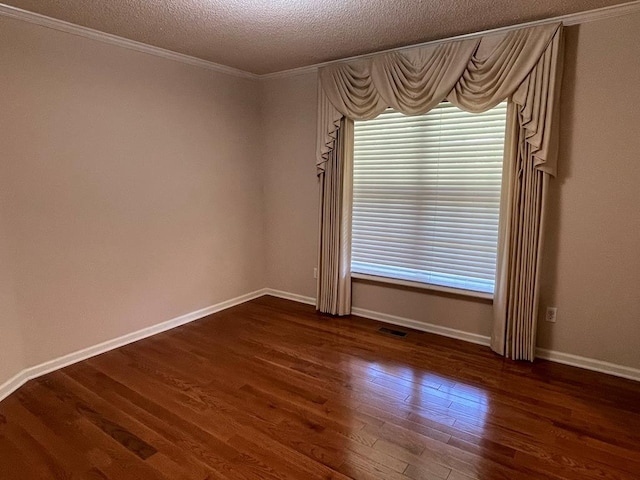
<point x="592" y="261"/>
<point x="291" y="187"/>
<point x="11" y="342"/>
<point x="132" y="187"/>
<point x="592" y="264"/>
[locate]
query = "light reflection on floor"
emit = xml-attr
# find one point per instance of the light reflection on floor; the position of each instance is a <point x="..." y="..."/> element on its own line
<point x="437" y="397"/>
<point x="420" y="401"/>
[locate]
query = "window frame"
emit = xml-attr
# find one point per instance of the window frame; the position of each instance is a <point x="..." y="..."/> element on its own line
<point x="369" y="277"/>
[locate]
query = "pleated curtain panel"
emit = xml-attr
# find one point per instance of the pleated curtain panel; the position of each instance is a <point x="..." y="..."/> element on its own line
<point x="523" y="66"/>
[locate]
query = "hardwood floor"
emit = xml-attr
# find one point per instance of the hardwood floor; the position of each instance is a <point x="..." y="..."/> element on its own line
<point x="272" y="390"/>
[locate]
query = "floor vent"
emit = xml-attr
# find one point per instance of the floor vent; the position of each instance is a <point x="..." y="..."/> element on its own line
<point x="395" y="333"/>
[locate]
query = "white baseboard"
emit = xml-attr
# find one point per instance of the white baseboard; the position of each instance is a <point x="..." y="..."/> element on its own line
<point x="27" y="374"/>
<point x="422" y="326"/>
<point x="392" y="319"/>
<point x="551" y="355"/>
<point x="11" y="385"/>
<point x="290" y="296"/>
<point x="589" y="364"/>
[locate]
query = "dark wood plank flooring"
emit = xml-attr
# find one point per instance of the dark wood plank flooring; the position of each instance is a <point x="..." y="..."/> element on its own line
<point x="272" y="390"/>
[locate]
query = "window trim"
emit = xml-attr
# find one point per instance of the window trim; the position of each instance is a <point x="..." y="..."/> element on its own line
<point x="441" y="288"/>
<point x="422" y="286"/>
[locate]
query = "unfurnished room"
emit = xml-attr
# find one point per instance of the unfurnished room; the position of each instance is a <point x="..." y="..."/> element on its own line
<point x="313" y="239"/>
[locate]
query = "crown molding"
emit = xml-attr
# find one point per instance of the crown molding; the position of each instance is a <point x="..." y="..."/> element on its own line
<point x="293" y="72"/>
<point x="55" y="24"/>
<point x="567" y="20"/>
<point x="61" y="25"/>
<point x="601" y="13"/>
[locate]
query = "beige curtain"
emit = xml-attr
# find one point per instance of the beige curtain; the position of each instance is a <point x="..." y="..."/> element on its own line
<point x="334" y="262"/>
<point x="523" y="65"/>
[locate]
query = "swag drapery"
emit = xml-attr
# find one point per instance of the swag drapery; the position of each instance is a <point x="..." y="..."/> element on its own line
<point x="524" y="66"/>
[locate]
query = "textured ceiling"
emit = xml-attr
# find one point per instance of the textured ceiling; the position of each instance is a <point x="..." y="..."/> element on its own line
<point x="264" y="36"/>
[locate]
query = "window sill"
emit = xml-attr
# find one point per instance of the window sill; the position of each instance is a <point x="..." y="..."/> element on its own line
<point x="423" y="286"/>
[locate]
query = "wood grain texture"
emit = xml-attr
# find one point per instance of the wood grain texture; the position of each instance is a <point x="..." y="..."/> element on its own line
<point x="272" y="390"/>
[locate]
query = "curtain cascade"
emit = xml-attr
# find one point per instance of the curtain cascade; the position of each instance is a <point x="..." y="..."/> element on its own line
<point x="334" y="255"/>
<point x="523" y="65"/>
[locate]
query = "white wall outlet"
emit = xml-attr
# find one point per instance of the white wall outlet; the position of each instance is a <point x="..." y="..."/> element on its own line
<point x="315" y="272"/>
<point x="552" y="313"/>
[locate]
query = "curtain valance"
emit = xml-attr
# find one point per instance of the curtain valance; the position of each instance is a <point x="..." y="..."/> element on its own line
<point x="474" y="74"/>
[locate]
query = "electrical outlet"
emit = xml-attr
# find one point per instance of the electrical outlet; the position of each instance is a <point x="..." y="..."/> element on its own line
<point x="315" y="272"/>
<point x="552" y="313"/>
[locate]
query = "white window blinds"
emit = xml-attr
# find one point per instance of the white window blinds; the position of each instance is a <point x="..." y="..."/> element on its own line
<point x="426" y="196"/>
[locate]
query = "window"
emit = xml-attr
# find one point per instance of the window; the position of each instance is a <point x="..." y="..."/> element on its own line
<point x="426" y="196"/>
